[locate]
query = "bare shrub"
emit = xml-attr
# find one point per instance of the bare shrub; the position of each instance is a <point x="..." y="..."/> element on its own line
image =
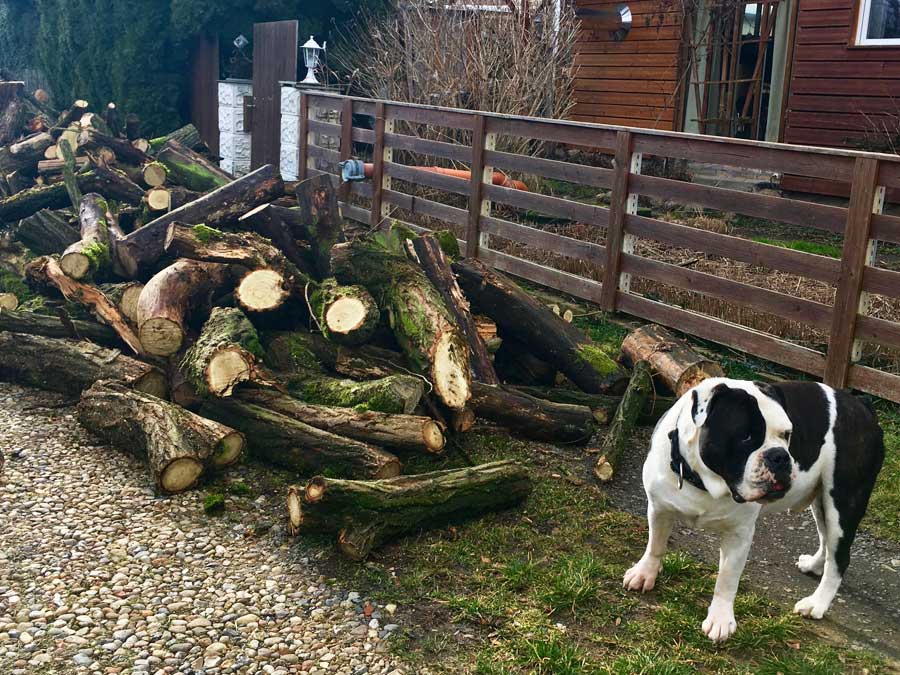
<point x="517" y="60"/>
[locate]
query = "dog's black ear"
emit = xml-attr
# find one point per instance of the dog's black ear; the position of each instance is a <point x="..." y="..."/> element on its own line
<point x="773" y="391"/>
<point x="716" y="394"/>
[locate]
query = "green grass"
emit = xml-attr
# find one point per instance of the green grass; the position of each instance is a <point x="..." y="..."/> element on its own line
<point x="538" y="590"/>
<point x="818" y="248"/>
<point x="214" y="504"/>
<point x="883" y="515"/>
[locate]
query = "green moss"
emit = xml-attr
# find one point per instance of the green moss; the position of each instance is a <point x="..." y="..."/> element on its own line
<point x="99" y="255"/>
<point x="448" y="242"/>
<point x="598" y="359"/>
<point x="302" y="355"/>
<point x="239" y="488"/>
<point x="214" y="504"/>
<point x="206" y="234"/>
<point x="10" y="283"/>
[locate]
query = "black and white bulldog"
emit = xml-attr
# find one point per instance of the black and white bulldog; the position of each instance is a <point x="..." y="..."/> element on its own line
<point x="729" y="450"/>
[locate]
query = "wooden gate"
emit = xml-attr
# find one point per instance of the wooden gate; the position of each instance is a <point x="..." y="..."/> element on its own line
<point x="274" y="60"/>
<point x="205" y="89"/>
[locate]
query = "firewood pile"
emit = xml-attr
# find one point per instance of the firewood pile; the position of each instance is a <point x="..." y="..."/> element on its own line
<point x="200" y="316"/>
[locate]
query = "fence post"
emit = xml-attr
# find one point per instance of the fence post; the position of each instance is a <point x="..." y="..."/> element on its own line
<point x="346" y="141"/>
<point x="303" y="138"/>
<point x="621" y="202"/>
<point x="865" y="198"/>
<point x="381" y="154"/>
<point x="479" y="173"/>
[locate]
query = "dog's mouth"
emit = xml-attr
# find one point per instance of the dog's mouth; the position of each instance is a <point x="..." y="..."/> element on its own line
<point x="772" y="492"/>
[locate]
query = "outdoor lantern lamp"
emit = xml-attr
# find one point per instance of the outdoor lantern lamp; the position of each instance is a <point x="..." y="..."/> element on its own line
<point x="311" y="51"/>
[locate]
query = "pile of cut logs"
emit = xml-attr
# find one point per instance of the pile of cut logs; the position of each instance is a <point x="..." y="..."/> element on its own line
<point x="196" y="314"/>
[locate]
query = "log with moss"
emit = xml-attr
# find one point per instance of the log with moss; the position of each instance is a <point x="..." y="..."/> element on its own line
<point x="46" y="232"/>
<point x="267" y="221"/>
<point x="190" y="169"/>
<point x="166" y="299"/>
<point x="346" y="315"/>
<point x="621" y="430"/>
<point x="424" y="328"/>
<point x="70" y="366"/>
<point x="431" y="258"/>
<point x="412" y="433"/>
<point x="516" y="364"/>
<point x="224" y="355"/>
<point x="46" y="271"/>
<point x="91" y="254"/>
<point x="603" y="405"/>
<point x="25" y="154"/>
<point x="291" y="350"/>
<point x="141" y="249"/>
<point x="292" y="444"/>
<point x="54" y="326"/>
<point x="92" y="140"/>
<point x="320" y="210"/>
<point x="177" y="443"/>
<point x="367" y="514"/>
<point x="187" y="136"/>
<point x="548" y="336"/>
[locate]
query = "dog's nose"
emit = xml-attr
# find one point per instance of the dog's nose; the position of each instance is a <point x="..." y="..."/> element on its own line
<point x="777" y="460"/>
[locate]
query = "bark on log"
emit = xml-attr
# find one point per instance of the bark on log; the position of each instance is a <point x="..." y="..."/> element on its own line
<point x="677" y="365"/>
<point x="531" y="417"/>
<point x="424" y="328"/>
<point x="368" y="513"/>
<point x="111" y="118"/>
<point x="548" y="336"/>
<point x="49" y="167"/>
<point x="346" y="315"/>
<point x="640" y="389"/>
<point x="290" y="351"/>
<point x="604" y="406"/>
<point x="92" y="140"/>
<point x="143" y="247"/>
<point x="395" y="431"/>
<point x="190" y="169"/>
<point x="292" y="444"/>
<point x="391" y="394"/>
<point x="132" y="127"/>
<point x="46" y="232"/>
<point x="67" y="151"/>
<point x="46" y="270"/>
<point x="72" y="114"/>
<point x="427" y="250"/>
<point x="187" y="136"/>
<point x="91" y="254"/>
<point x="25" y="154"/>
<point x="517" y="364"/>
<point x="165" y="300"/>
<point x="70" y="366"/>
<point x="177" y="443"/>
<point x="224" y="355"/>
<point x="319" y="208"/>
<point x="125" y="296"/>
<point x="54" y="326"/>
<point x="267" y="221"/>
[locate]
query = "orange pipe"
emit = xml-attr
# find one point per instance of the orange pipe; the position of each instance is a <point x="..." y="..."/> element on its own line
<point x="498" y="177"/>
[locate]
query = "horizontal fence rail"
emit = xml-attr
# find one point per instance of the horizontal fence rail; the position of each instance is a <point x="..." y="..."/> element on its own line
<point x="477" y="209"/>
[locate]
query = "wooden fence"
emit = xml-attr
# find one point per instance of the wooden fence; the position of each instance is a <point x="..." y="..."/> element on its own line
<point x="860" y="222"/>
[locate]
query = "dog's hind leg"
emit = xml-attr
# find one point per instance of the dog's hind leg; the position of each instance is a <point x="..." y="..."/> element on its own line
<point x="734" y="549"/>
<point x="815" y="564"/>
<point x="642" y="577"/>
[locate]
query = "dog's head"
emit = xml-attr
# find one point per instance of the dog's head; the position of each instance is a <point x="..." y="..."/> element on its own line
<point x="737" y="435"/>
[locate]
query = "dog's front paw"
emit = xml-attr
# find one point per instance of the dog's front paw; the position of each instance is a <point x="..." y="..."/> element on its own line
<point x="811" y="607"/>
<point x="811" y="564"/>
<point x="719" y="624"/>
<point x="641" y="577"/>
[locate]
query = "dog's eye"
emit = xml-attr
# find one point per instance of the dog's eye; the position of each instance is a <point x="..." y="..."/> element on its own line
<point x="787" y="437"/>
<point x="747" y="438"/>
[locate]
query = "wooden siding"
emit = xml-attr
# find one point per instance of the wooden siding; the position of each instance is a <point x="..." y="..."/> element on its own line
<point x="838" y="91"/>
<point x="632" y="82"/>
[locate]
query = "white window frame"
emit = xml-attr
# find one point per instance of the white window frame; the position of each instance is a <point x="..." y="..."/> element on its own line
<point x="862" y="25"/>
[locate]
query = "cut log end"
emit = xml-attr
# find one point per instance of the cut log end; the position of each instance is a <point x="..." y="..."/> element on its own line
<point x="161" y="336"/>
<point x="180" y="474"/>
<point x="8" y="301"/>
<point x="75" y="264"/>
<point x="346" y="315"/>
<point x="129" y="301"/>
<point x="295" y="510"/>
<point x="603" y="470"/>
<point x="261" y="291"/>
<point x="228" y="451"/>
<point x="153" y="383"/>
<point x="159" y="199"/>
<point x="228" y="368"/>
<point x="315" y="490"/>
<point x="433" y="434"/>
<point x="450" y="371"/>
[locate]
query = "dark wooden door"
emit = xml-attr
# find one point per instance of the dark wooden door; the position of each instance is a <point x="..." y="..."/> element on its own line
<point x="205" y="89"/>
<point x="274" y="60"/>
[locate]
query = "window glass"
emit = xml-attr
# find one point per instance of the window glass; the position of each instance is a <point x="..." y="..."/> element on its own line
<point x="881" y="20"/>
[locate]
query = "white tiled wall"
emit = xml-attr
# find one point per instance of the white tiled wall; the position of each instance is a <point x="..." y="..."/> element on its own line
<point x="290" y="120"/>
<point x="234" y="143"/>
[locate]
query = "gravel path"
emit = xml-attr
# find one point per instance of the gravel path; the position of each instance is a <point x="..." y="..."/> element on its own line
<point x="98" y="575"/>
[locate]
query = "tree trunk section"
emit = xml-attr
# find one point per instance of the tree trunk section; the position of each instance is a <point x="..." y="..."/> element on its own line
<point x="432" y="260"/>
<point x="46" y="270"/>
<point x="91" y="254"/>
<point x="154" y="174"/>
<point x="292" y="444"/>
<point x="25" y="155"/>
<point x="57" y="327"/>
<point x="676" y="365"/>
<point x="224" y="355"/>
<point x="549" y="336"/>
<point x="187" y="136"/>
<point x="603" y="406"/>
<point x="190" y="169"/>
<point x="366" y="514"/>
<point x="346" y="315"/>
<point x="639" y="391"/>
<point x="142" y="248"/>
<point x="125" y="296"/>
<point x="46" y="232"/>
<point x="92" y="140"/>
<point x="177" y="443"/>
<point x="531" y="417"/>
<point x="266" y="221"/>
<point x="165" y="300"/>
<point x="517" y="364"/>
<point x="70" y="366"/>
<point x="290" y="351"/>
<point x="319" y="209"/>
<point x="424" y="328"/>
<point x="412" y="433"/>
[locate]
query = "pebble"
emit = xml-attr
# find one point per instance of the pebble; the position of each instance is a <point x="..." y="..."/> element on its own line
<point x="117" y="580"/>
